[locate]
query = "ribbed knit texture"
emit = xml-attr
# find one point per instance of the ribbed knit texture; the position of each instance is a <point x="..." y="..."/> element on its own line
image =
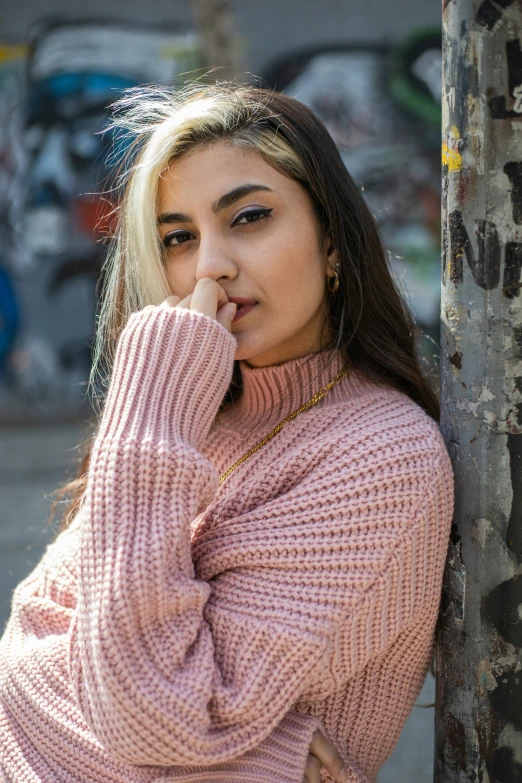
<point x="185" y="631"/>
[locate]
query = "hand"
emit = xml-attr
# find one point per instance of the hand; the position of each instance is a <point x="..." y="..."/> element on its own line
<point x="323" y="754"/>
<point x="208" y="298"/>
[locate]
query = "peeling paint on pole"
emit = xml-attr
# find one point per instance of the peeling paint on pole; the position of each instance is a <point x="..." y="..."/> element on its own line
<point x="478" y="722"/>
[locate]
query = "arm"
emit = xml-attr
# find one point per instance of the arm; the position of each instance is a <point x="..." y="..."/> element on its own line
<point x="36" y="694"/>
<point x="146" y="634"/>
<point x="141" y="653"/>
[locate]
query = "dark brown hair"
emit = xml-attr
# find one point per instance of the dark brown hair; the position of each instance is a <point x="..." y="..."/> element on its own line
<point x="368" y="318"/>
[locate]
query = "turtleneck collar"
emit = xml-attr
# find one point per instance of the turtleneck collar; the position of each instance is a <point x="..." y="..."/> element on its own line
<point x="271" y="393"/>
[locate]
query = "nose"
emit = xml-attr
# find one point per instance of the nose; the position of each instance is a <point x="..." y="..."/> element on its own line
<point x="215" y="260"/>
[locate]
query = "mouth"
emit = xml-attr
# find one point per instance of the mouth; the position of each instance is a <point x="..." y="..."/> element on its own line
<point x="242" y="310"/>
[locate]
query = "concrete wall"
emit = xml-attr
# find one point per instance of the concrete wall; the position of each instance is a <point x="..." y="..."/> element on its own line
<point x="35" y="460"/>
<point x="270" y="29"/>
<point x="52" y="156"/>
<point x="51" y="210"/>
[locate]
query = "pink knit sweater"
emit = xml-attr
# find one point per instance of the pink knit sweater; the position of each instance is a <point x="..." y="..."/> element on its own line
<point x="185" y="631"/>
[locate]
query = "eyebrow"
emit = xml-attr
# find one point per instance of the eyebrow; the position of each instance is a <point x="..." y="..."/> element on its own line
<point x="223" y="202"/>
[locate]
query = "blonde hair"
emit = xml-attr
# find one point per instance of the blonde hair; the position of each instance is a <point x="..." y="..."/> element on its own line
<point x="157" y="125"/>
<point x="367" y="320"/>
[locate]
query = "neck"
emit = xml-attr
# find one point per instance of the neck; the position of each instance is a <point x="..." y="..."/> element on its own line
<point x="260" y="364"/>
<point x="271" y="393"/>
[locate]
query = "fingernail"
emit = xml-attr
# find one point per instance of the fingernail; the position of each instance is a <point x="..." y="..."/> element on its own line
<point x="343" y="775"/>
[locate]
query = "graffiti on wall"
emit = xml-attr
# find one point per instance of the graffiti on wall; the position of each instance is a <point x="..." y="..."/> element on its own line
<point x="53" y="161"/>
<point x="12" y="62"/>
<point x="382" y="107"/>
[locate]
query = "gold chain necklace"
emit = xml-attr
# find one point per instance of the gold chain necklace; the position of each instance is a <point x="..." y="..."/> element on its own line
<point x="315" y="399"/>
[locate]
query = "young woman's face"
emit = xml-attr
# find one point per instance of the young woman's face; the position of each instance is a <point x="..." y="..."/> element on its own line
<point x="226" y="214"/>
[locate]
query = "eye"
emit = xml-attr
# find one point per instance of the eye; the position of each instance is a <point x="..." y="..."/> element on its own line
<point x="252" y="216"/>
<point x="175" y="238"/>
<point x="180" y="236"/>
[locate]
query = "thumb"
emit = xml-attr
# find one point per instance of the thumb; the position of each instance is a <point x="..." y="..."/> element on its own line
<point x="226" y="314"/>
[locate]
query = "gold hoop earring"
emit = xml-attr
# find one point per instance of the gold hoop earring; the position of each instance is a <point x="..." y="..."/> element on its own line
<point x="335" y="286"/>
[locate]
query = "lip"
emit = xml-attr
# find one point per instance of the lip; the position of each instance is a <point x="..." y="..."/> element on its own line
<point x="241" y="300"/>
<point x="242" y="311"/>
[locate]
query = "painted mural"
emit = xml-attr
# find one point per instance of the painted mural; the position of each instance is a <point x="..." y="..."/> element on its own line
<point x="53" y="164"/>
<point x="382" y="106"/>
<point x="12" y="62"/>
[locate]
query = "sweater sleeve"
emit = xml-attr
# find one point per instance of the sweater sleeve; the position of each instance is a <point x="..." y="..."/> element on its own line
<point x="141" y="653"/>
<point x="171" y="669"/>
<point x="36" y="716"/>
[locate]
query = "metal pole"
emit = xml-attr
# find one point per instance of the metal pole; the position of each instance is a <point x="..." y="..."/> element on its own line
<point x="478" y="719"/>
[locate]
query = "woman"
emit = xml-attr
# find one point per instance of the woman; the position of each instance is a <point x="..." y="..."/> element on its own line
<point x="231" y="600"/>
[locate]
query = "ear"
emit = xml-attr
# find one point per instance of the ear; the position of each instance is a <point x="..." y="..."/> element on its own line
<point x="331" y="254"/>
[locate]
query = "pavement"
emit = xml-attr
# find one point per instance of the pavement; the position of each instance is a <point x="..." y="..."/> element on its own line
<point x="34" y="461"/>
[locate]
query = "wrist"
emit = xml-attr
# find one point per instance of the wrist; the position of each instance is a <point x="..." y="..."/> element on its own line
<point x="171" y="371"/>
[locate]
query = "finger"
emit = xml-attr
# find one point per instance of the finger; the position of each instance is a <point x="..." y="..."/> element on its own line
<point x="328" y="755"/>
<point x="185" y="303"/>
<point x="313" y="769"/>
<point x="226" y="315"/>
<point x="206" y="296"/>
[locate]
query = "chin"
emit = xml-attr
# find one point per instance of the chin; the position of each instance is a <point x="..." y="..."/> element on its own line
<point x="247" y="347"/>
<point x="243" y="351"/>
<point x="260" y="355"/>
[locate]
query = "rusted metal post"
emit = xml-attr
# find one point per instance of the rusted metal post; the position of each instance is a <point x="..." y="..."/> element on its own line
<point x="478" y="720"/>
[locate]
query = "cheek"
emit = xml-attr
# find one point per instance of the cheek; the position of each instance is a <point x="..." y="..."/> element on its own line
<point x="293" y="294"/>
<point x="296" y="274"/>
<point x="287" y="262"/>
<point x="178" y="280"/>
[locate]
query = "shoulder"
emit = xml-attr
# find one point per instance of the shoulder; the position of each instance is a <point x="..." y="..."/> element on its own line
<point x="364" y="449"/>
<point x="378" y="430"/>
<point x="385" y="476"/>
<point x="371" y="454"/>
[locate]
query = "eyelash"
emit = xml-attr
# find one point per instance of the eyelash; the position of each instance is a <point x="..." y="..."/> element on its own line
<point x="261" y="214"/>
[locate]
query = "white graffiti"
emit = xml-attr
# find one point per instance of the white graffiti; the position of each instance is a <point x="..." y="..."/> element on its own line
<point x="517" y="93"/>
